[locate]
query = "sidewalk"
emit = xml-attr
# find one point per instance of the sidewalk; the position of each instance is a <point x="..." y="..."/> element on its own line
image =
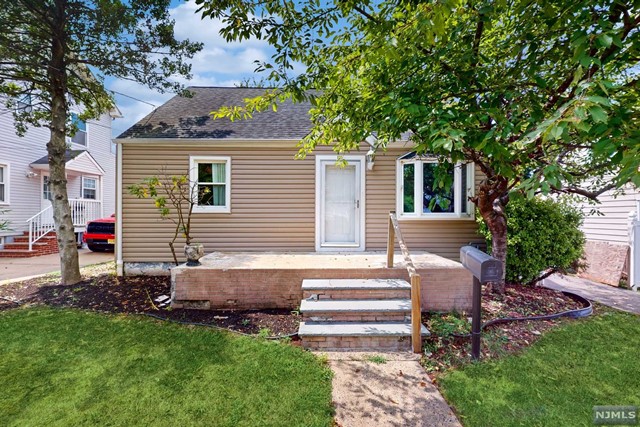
<point x="622" y="299"/>
<point x="396" y="392"/>
<point x="16" y="268"/>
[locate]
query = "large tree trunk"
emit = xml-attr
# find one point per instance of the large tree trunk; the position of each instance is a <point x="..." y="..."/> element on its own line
<point x="491" y="200"/>
<point x="56" y="148"/>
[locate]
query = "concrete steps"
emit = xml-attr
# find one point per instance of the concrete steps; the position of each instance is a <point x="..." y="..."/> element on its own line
<point x="356" y="314"/>
<point x="357" y="310"/>
<point x="392" y="336"/>
<point x="356" y="288"/>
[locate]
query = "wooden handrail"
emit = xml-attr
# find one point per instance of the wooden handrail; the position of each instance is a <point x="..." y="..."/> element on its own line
<point x="416" y="312"/>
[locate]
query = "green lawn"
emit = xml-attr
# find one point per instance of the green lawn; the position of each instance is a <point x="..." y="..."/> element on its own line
<point x="73" y="368"/>
<point x="558" y="380"/>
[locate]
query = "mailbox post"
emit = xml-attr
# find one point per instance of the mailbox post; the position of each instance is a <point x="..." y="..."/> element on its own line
<point x="485" y="269"/>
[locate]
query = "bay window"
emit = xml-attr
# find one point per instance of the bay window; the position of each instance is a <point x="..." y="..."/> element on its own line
<point x="421" y="196"/>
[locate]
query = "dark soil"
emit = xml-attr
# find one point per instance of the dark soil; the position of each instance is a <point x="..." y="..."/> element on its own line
<point x="103" y="291"/>
<point x="447" y="347"/>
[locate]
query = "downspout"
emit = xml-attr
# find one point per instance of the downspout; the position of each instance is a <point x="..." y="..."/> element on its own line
<point x="119" y="263"/>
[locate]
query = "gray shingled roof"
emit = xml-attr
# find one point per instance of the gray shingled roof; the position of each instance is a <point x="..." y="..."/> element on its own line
<point x="68" y="155"/>
<point x="189" y="118"/>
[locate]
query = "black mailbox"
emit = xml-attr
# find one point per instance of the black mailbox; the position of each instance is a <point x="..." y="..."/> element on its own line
<point x="484" y="267"/>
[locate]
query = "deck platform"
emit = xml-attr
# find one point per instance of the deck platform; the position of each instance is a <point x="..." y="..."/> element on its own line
<point x="256" y="280"/>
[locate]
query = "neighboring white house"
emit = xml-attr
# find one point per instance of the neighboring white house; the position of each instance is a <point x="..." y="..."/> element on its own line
<point x="607" y="250"/>
<point x="25" y="196"/>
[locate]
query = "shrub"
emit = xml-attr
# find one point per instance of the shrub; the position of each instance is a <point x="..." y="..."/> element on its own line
<point x="542" y="235"/>
<point x="4" y="224"/>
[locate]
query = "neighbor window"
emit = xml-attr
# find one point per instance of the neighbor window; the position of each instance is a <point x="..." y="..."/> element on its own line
<point x="80" y="136"/>
<point x="420" y="196"/>
<point x="89" y="188"/>
<point x="4" y="184"/>
<point x="211" y="183"/>
<point x="47" y="191"/>
<point x="24" y="105"/>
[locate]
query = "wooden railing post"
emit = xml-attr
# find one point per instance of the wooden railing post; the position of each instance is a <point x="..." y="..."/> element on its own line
<point x="391" y="240"/>
<point x="416" y="311"/>
<point x="416" y="314"/>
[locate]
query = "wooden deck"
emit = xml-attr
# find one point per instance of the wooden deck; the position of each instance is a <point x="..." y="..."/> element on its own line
<point x="255" y="280"/>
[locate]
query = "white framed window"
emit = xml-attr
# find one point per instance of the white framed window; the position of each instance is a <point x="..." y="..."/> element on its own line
<point x="419" y="197"/>
<point x="80" y="136"/>
<point x="210" y="179"/>
<point x="4" y="184"/>
<point x="89" y="188"/>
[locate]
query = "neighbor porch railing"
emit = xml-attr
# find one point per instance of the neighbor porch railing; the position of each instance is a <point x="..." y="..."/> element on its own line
<point x="82" y="211"/>
<point x="416" y="312"/>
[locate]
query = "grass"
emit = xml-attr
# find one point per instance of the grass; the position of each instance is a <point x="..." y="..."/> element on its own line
<point x="68" y="367"/>
<point x="376" y="358"/>
<point x="555" y="382"/>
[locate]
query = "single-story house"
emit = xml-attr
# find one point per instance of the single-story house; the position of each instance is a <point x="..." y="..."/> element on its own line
<point x="261" y="200"/>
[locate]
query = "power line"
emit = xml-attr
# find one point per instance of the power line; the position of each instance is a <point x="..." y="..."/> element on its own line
<point x="133" y="97"/>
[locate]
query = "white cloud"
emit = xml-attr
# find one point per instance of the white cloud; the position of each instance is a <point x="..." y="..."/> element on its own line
<point x="218" y="64"/>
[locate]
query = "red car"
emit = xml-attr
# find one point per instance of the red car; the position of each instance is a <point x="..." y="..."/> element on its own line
<point x="101" y="234"/>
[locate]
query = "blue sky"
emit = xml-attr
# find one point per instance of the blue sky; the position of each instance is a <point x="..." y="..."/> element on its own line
<point x="218" y="64"/>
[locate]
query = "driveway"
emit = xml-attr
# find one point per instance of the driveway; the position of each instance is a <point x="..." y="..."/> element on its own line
<point x="17" y="268"/>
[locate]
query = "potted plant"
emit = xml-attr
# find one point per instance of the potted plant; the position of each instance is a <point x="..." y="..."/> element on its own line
<point x="173" y="191"/>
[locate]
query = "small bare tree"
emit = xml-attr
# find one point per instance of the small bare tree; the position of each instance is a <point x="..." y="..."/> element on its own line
<point x="170" y="191"/>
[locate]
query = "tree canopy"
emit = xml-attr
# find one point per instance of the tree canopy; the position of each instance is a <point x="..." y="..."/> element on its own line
<point x="541" y="95"/>
<point x="58" y="52"/>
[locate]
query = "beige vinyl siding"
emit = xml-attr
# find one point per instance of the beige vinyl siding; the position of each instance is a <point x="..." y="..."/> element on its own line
<point x="442" y="237"/>
<point x="613" y="225"/>
<point x="272" y="205"/>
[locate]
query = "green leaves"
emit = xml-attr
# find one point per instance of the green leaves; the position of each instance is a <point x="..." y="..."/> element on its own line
<point x="511" y="86"/>
<point x="95" y="39"/>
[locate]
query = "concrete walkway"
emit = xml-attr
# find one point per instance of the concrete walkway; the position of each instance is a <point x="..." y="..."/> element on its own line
<point x="23" y="268"/>
<point x="395" y="393"/>
<point x="622" y="299"/>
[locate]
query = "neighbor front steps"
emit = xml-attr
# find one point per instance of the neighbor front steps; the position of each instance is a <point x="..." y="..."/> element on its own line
<point x="19" y="248"/>
<point x="356" y="314"/>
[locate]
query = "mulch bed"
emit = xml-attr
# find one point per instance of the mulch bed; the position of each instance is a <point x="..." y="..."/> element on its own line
<point x="103" y="291"/>
<point x="446" y="348"/>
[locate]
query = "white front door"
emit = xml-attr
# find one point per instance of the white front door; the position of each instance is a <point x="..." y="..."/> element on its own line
<point x="339" y="204"/>
<point x="46" y="195"/>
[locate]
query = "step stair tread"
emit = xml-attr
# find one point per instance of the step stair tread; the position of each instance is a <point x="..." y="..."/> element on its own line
<point x="355" y="306"/>
<point x="355" y="284"/>
<point x="310" y="329"/>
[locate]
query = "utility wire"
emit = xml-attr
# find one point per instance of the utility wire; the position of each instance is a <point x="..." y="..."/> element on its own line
<point x="132" y="97"/>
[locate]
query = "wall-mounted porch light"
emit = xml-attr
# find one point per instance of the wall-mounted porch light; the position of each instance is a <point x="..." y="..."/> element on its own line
<point x="371" y="158"/>
<point x="372" y="140"/>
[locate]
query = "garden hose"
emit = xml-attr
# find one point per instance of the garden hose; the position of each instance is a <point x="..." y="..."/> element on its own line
<point x="586" y="310"/>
